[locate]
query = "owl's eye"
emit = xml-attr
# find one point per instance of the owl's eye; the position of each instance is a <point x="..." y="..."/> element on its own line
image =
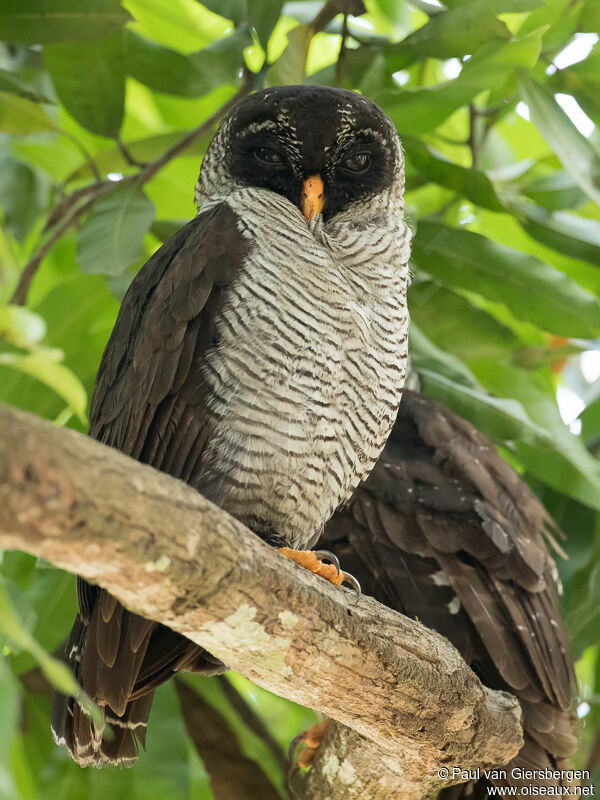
<point x="268" y="156"/>
<point x="359" y="162"/>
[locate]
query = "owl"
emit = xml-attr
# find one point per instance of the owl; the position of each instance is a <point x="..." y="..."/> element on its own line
<point x="259" y="356"/>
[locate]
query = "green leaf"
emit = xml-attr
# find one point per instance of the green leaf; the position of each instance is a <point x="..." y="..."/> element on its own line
<point x="454" y="324"/>
<point x="22" y="327"/>
<point x="471" y="183"/>
<point x="41" y="21"/>
<point x="80" y="313"/>
<point x="532" y="290"/>
<point x="172" y="72"/>
<point x="555" y="191"/>
<point x="582" y="80"/>
<point x="164" y="69"/>
<point x="20" y="117"/>
<point x="235" y="10"/>
<point x="590" y="16"/>
<point x="43" y="364"/>
<point x="566" y="465"/>
<point x="262" y="16"/>
<point x="448" y="380"/>
<point x="574" y="151"/>
<point x="57" y="673"/>
<point x="112" y="235"/>
<point x="10" y="713"/>
<point x="146" y="149"/>
<point x="590" y="424"/>
<point x="90" y="81"/>
<point x="163" y="229"/>
<point x="290" y="67"/>
<point x="11" y="82"/>
<point x="417" y="111"/>
<point x="584" y="623"/>
<point x="457" y="32"/>
<point x="574" y="236"/>
<point x="20" y="196"/>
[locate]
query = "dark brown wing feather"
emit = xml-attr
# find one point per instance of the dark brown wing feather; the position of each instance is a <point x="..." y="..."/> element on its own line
<point x="148" y="402"/>
<point x="445" y="530"/>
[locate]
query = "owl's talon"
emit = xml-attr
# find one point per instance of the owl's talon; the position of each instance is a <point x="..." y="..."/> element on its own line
<point x="311" y="560"/>
<point x="355" y="585"/>
<point x="331" y="557"/>
<point x="312" y="738"/>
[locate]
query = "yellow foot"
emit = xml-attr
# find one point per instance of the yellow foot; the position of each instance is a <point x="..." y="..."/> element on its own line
<point x="311" y="560"/>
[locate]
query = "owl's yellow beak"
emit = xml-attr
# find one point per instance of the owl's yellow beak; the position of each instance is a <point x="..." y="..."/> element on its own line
<point x="312" y="200"/>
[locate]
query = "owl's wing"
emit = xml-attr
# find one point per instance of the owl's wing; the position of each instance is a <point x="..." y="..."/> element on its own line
<point x="148" y="398"/>
<point x="148" y="402"/>
<point x="445" y="530"/>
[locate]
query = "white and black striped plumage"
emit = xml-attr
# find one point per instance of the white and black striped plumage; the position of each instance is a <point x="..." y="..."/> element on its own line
<point x="259" y="356"/>
<point x="446" y="531"/>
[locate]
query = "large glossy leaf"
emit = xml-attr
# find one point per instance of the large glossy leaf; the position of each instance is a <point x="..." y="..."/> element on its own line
<point x="19" y="116"/>
<point x="575" y="236"/>
<point x="262" y="16"/>
<point x="566" y="465"/>
<point x="20" y="196"/>
<point x="21" y="327"/>
<point x="90" y="81"/>
<point x="41" y="21"/>
<point x="11" y="82"/>
<point x="455" y="325"/>
<point x="111" y="238"/>
<point x="576" y="153"/>
<point x="590" y="425"/>
<point x="584" y="622"/>
<point x="45" y="366"/>
<point x="457" y="32"/>
<point x="582" y="80"/>
<point x="57" y="673"/>
<point x="471" y="183"/>
<point x="419" y="110"/>
<point x="290" y="67"/>
<point x="447" y="379"/>
<point x="234" y="10"/>
<point x="111" y="159"/>
<point x="532" y="290"/>
<point x="554" y="192"/>
<point x="166" y="70"/>
<point x="9" y="713"/>
<point x="80" y="313"/>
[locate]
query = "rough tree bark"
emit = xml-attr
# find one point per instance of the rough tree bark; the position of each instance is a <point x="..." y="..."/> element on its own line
<point x="407" y="702"/>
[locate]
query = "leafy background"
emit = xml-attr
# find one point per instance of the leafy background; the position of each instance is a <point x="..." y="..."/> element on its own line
<point x="105" y="113"/>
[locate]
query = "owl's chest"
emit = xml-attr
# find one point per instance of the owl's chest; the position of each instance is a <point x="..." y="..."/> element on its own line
<point x="300" y="334"/>
<point x="304" y="383"/>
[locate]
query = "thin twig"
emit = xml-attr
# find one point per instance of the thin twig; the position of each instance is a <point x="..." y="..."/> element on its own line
<point x="147" y="172"/>
<point x="126" y="153"/>
<point x="334" y="7"/>
<point x="150" y="170"/>
<point x="83" y="150"/>
<point x="339" y="66"/>
<point x="472" y="140"/>
<point x="19" y="297"/>
<point x="67" y="216"/>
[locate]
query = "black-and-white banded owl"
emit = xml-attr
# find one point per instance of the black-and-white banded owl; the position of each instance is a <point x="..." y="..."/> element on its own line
<point x="259" y="356"/>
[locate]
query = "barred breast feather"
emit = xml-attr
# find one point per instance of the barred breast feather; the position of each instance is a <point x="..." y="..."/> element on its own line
<point x="306" y="374"/>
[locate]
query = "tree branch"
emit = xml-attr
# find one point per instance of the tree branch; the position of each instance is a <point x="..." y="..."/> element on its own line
<point x="167" y="553"/>
<point x="68" y="213"/>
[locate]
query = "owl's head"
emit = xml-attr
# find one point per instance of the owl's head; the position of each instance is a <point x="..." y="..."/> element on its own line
<point x="326" y="150"/>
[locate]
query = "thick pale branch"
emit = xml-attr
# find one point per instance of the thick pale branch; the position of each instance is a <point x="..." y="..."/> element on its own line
<point x="170" y="555"/>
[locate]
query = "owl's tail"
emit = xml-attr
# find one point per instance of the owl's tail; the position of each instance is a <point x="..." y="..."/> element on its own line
<point x="119" y="659"/>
